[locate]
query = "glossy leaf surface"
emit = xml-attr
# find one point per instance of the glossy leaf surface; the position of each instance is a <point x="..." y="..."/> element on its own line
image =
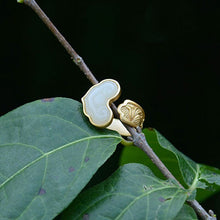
<point x="132" y="192"/>
<point x="48" y="153"/>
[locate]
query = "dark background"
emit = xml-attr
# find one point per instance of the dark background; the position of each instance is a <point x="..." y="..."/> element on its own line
<point x="165" y="55"/>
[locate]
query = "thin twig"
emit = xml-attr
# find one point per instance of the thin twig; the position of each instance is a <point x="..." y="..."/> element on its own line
<point x="138" y="137"/>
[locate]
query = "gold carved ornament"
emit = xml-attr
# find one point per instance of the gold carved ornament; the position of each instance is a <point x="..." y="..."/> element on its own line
<point x="131" y="113"/>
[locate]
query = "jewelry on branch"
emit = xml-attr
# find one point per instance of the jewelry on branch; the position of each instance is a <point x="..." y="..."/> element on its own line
<point x="96" y="106"/>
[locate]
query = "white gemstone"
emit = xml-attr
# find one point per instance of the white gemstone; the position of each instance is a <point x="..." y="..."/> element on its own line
<point x="96" y="102"/>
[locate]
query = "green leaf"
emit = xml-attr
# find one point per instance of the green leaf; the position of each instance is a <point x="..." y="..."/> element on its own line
<point x="188" y="168"/>
<point x="210" y="175"/>
<point x="189" y="173"/>
<point x="186" y="213"/>
<point x="48" y="153"/>
<point x="135" y="155"/>
<point x="132" y="192"/>
<point x="195" y="175"/>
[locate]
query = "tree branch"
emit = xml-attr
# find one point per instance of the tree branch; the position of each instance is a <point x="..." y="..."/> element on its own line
<point x="138" y="137"/>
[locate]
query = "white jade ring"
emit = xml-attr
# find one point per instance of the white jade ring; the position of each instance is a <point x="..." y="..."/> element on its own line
<point x="96" y="106"/>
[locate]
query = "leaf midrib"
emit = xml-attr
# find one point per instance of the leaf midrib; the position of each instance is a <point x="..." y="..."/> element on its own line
<point x="53" y="151"/>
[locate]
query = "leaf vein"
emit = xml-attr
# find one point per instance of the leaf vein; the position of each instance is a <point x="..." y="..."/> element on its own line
<point x="53" y="151"/>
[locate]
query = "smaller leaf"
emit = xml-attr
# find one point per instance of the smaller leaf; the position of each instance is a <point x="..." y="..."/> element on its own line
<point x="191" y="175"/>
<point x="210" y="175"/>
<point x="189" y="169"/>
<point x="195" y="175"/>
<point x="132" y="192"/>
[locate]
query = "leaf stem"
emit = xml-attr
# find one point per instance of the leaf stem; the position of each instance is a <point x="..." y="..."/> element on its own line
<point x="138" y="137"/>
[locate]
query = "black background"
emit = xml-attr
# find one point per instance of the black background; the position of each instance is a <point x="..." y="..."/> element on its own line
<point x="164" y="54"/>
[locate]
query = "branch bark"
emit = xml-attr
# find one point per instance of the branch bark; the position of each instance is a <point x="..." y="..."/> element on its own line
<point x="138" y="137"/>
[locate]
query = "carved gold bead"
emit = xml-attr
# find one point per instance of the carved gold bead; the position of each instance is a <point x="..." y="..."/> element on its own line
<point x="131" y="113"/>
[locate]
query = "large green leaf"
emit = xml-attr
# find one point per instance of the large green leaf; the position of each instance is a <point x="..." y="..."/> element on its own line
<point x="189" y="173"/>
<point x="48" y="153"/>
<point x="132" y="192"/>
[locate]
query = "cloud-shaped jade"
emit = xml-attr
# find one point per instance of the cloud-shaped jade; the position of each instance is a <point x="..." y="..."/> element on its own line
<point x="97" y="101"/>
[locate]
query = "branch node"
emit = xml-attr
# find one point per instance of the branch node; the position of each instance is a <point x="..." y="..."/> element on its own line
<point x="139" y="139"/>
<point x="78" y="60"/>
<point x="139" y="130"/>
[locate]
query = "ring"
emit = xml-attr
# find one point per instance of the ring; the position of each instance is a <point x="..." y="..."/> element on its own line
<point x="96" y="106"/>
